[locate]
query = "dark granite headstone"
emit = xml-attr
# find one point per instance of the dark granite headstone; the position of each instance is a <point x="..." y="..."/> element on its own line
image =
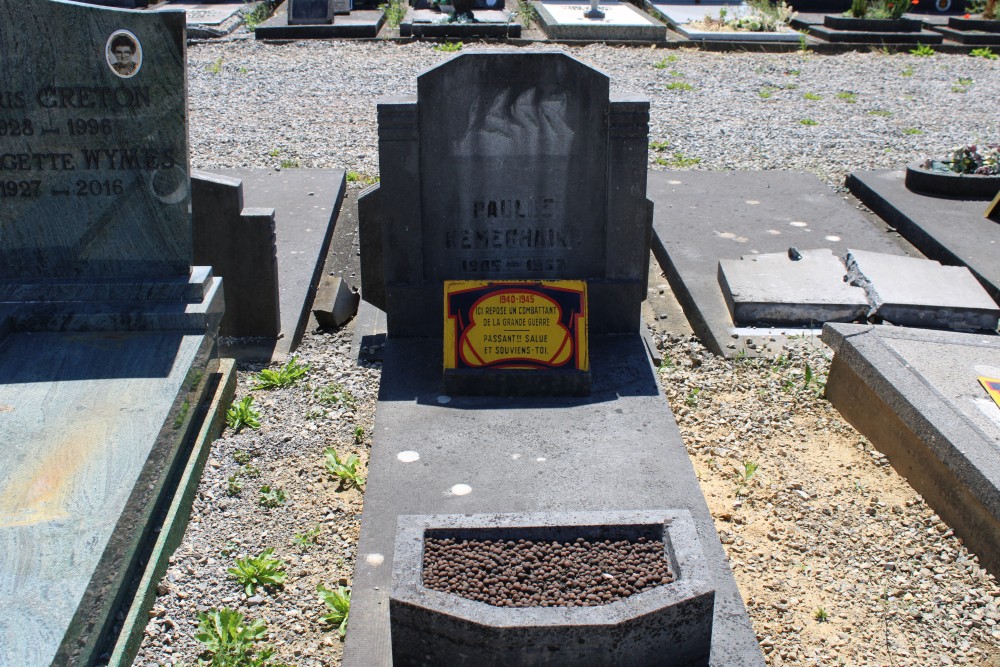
<point x="93" y="151"/>
<point x="302" y="12"/>
<point x="106" y="330"/>
<point x="508" y="166"/>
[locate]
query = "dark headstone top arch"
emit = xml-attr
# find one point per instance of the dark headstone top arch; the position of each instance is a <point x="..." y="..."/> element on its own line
<point x="509" y="166"/>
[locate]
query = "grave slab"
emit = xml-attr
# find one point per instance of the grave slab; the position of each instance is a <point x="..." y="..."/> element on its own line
<point x="489" y="23"/>
<point x="915" y="292"/>
<point x="207" y="20"/>
<point x="916" y="396"/>
<point x="951" y="231"/>
<point x="772" y="288"/>
<point x="306" y="205"/>
<point x="80" y="483"/>
<point x="363" y="23"/>
<point x="702" y="217"/>
<point x="678" y="16"/>
<point x="526" y="455"/>
<point x="621" y="22"/>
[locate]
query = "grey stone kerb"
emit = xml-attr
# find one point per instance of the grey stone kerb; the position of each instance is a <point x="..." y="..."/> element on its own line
<point x="668" y="625"/>
<point x="508" y="166"/>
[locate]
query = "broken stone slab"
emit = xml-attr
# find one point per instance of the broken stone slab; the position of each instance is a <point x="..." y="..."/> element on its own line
<point x="915" y="394"/>
<point x="915" y="292"/>
<point x="335" y="302"/>
<point x="773" y="288"/>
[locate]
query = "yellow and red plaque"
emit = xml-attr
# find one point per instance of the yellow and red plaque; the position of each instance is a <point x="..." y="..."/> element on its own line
<point x="992" y="387"/>
<point x="515" y="324"/>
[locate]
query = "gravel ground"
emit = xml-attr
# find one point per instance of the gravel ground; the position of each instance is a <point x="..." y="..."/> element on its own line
<point x="839" y="561"/>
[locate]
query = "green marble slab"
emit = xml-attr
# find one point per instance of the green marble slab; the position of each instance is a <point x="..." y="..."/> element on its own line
<point x="90" y="424"/>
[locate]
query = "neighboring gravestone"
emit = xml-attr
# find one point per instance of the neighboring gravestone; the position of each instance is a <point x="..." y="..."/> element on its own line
<point x="106" y="331"/>
<point x="306" y="12"/>
<point x="508" y="166"/>
<point x="240" y="245"/>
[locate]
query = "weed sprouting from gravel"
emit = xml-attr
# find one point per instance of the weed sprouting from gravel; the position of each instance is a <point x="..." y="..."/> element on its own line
<point x="346" y="470"/>
<point x="285" y="376"/>
<point x="232" y="641"/>
<point x="335" y="394"/>
<point x="271" y="497"/>
<point x="307" y="539"/>
<point x="258" y="572"/>
<point x="339" y="603"/>
<point x="242" y="414"/>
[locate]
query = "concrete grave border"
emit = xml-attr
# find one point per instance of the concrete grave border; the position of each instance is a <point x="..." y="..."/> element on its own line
<point x="946" y="457"/>
<point x="672" y="620"/>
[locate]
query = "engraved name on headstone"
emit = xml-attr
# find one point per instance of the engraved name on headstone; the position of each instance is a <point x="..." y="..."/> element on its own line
<point x="514" y="166"/>
<point x="94" y="176"/>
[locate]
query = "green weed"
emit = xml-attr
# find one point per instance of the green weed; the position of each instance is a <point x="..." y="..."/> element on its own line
<point x="922" y="50"/>
<point x="912" y="130"/>
<point x="449" y="47"/>
<point x="274" y="152"/>
<point x="359" y="435"/>
<point x="679" y="85"/>
<point x="659" y="146"/>
<point x="271" y="498"/>
<point x="242" y="457"/>
<point x="258" y="572"/>
<point x="395" y="11"/>
<point x="214" y="67"/>
<point x="527" y="13"/>
<point x="880" y="112"/>
<point x="257" y="14"/>
<point x="242" y="414"/>
<point x="821" y="615"/>
<point x="233" y="485"/>
<point x="308" y="538"/>
<point x="251" y="471"/>
<point x="692" y="398"/>
<point x="743" y="475"/>
<point x="231" y="639"/>
<point x="291" y="163"/>
<point x="358" y="177"/>
<point x="812" y="96"/>
<point x="765" y="93"/>
<point x="285" y="376"/>
<point x="907" y="71"/>
<point x="847" y="96"/>
<point x="339" y="604"/>
<point x="672" y="58"/>
<point x="678" y="161"/>
<point x="335" y="394"/>
<point x="808" y="121"/>
<point x="344" y="469"/>
<point x="985" y="52"/>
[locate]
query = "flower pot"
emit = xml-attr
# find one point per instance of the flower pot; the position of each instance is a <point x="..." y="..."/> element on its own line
<point x="872" y="25"/>
<point x="950" y="184"/>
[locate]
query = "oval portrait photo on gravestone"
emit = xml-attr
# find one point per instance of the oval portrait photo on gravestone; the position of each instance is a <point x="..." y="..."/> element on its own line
<point x="123" y="54"/>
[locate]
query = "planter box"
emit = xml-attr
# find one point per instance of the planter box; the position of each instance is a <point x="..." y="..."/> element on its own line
<point x="872" y="25"/>
<point x="950" y="184"/>
<point x="982" y="25"/>
<point x="670" y="624"/>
